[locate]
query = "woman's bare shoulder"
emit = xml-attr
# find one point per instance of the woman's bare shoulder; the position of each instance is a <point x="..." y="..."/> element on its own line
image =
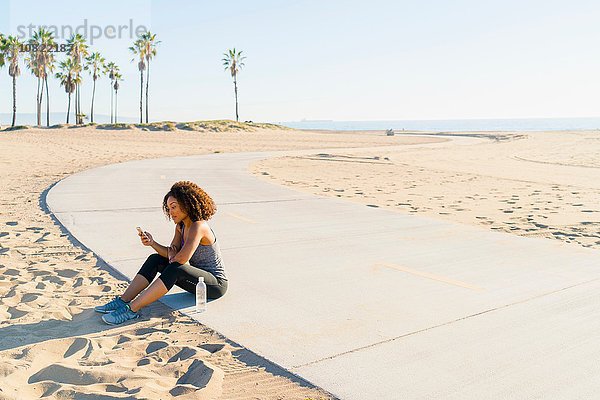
<point x="200" y="226"/>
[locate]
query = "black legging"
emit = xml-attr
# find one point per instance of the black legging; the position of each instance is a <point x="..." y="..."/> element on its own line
<point x="183" y="275"/>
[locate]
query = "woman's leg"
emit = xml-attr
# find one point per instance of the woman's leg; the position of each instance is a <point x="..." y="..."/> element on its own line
<point x="175" y="273"/>
<point x="154" y="263"/>
<point x="138" y="284"/>
<point x="150" y="295"/>
<point x="188" y="280"/>
<point x="159" y="287"/>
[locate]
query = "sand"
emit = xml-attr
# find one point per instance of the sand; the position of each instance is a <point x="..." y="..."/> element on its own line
<point x="543" y="184"/>
<point x="52" y="343"/>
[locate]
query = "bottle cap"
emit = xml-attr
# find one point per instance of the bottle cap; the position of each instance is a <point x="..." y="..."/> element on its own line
<point x="201" y="279"/>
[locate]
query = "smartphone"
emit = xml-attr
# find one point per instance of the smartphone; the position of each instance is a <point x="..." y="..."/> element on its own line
<point x="140" y="231"/>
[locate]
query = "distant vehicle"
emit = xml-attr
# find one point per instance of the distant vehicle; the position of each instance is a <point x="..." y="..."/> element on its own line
<point x="389" y="132"/>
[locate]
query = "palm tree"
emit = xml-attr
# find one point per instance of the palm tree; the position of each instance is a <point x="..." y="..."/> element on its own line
<point x="78" y="51"/>
<point x="111" y="69"/>
<point x="68" y="76"/>
<point x="41" y="63"/>
<point x="117" y="78"/>
<point x="32" y="64"/>
<point x="233" y="62"/>
<point x="49" y="70"/>
<point x="12" y="50"/>
<point x="138" y="49"/>
<point x="149" y="42"/>
<point x="94" y="63"/>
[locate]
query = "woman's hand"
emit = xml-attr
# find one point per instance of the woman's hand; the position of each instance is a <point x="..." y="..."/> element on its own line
<point x="146" y="238"/>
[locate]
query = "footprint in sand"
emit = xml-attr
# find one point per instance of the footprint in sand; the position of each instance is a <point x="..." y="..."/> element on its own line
<point x="2" y="234"/>
<point x="4" y="250"/>
<point x="78" y="345"/>
<point x="15" y="313"/>
<point x="12" y="272"/>
<point x="78" y="282"/>
<point x="212" y="348"/>
<point x="67" y="273"/>
<point x="146" y="331"/>
<point x="198" y="375"/>
<point x="53" y="279"/>
<point x="155" y="346"/>
<point x="12" y="223"/>
<point x="29" y="297"/>
<point x="42" y="238"/>
<point x="184" y="354"/>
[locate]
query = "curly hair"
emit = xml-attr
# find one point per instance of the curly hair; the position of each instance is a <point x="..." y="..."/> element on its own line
<point x="195" y="202"/>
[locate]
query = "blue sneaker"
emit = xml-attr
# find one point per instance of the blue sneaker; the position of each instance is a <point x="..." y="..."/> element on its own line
<point x="112" y="305"/>
<point x="121" y="315"/>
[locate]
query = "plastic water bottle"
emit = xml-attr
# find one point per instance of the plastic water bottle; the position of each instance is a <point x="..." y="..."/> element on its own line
<point x="200" y="295"/>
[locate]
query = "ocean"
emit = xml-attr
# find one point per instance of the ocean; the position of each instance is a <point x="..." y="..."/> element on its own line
<point x="454" y="125"/>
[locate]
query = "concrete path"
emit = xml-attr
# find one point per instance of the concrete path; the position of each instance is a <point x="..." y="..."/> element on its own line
<point x="364" y="302"/>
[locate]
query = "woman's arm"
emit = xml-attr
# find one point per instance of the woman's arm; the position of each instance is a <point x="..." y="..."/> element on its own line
<point x="195" y="235"/>
<point x="175" y="244"/>
<point x="160" y="249"/>
<point x="148" y="240"/>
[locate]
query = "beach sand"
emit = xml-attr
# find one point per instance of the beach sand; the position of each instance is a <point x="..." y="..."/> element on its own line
<point x="542" y="184"/>
<point x="52" y="343"/>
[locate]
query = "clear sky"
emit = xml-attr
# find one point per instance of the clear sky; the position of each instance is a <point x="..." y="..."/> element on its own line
<point x="341" y="60"/>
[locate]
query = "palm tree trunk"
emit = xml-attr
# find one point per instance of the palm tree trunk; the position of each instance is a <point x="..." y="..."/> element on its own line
<point x="77" y="106"/>
<point x="141" y="95"/>
<point x="69" y="108"/>
<point x="47" y="103"/>
<point x="39" y="109"/>
<point x="79" y="103"/>
<point x="116" y="105"/>
<point x="93" y="95"/>
<point x="111" y="102"/>
<point x="14" y="118"/>
<point x="38" y="104"/>
<point x="147" y="81"/>
<point x="236" y="99"/>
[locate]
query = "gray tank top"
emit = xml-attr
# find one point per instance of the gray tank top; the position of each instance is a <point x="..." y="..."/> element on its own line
<point x="207" y="257"/>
